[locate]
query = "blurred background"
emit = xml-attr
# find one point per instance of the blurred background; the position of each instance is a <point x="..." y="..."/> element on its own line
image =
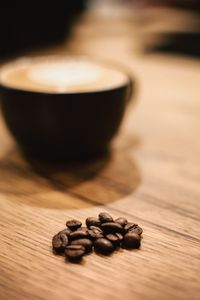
<point x="153" y="173"/>
<point x="155" y="25"/>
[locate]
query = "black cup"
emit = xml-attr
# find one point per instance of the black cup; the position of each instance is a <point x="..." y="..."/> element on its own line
<point x="64" y="125"/>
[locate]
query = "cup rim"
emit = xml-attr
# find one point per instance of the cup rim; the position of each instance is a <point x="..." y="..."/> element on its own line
<point x="111" y="65"/>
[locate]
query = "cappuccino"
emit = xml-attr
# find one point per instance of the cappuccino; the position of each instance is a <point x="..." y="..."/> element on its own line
<point x="60" y="75"/>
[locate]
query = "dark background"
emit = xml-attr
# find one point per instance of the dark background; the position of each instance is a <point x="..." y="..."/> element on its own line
<point x="29" y="26"/>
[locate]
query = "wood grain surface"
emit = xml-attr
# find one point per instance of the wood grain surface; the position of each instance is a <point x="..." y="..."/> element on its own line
<point x="152" y="176"/>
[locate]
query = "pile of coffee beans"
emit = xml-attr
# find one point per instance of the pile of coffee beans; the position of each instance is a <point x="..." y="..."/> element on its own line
<point x="103" y="234"/>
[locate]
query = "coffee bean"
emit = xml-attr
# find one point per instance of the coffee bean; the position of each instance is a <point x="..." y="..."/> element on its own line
<point x="122" y="221"/>
<point x="66" y="231"/>
<point x="85" y="243"/>
<point x="111" y="227"/>
<point x="103" y="246"/>
<point x="73" y="224"/>
<point x="92" y="222"/>
<point x="105" y="217"/>
<point x="131" y="240"/>
<point x="130" y="226"/>
<point x="115" y="238"/>
<point x="79" y="234"/>
<point x="75" y="252"/>
<point x="137" y="229"/>
<point x="95" y="233"/>
<point x="83" y="228"/>
<point x="59" y="242"/>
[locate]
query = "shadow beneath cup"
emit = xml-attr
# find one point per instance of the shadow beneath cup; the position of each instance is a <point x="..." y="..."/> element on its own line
<point x="69" y="185"/>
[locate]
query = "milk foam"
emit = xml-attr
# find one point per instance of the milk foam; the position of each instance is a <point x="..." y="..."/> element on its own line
<point x="60" y="75"/>
<point x="65" y="74"/>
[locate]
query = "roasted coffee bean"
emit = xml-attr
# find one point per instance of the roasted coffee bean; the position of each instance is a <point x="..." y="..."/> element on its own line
<point x="73" y="224"/>
<point x="66" y="231"/>
<point x="79" y="234"/>
<point x="122" y="221"/>
<point x="137" y="229"/>
<point x="105" y="217"/>
<point x="133" y="228"/>
<point x="115" y="238"/>
<point x="111" y="227"/>
<point x="85" y="243"/>
<point x="83" y="228"/>
<point x="92" y="222"/>
<point x="103" y="246"/>
<point x="75" y="252"/>
<point x="131" y="240"/>
<point x="130" y="226"/>
<point x="59" y="242"/>
<point x="95" y="233"/>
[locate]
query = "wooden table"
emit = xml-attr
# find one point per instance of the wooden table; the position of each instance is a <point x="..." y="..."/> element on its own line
<point x="152" y="177"/>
